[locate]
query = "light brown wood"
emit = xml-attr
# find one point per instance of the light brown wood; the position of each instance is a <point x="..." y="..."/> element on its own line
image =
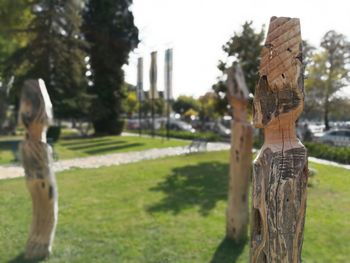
<point x="35" y="115"/>
<point x="240" y="158"/>
<point x="280" y="169"/>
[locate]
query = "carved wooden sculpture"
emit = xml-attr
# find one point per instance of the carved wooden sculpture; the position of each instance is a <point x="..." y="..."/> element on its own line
<point x="241" y="156"/>
<point x="36" y="114"/>
<point x="280" y="170"/>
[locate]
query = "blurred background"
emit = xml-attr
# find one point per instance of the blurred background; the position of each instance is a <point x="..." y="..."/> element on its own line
<point x="95" y="58"/>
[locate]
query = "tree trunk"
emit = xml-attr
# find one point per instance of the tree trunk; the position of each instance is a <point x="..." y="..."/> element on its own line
<point x="325" y="116"/>
<point x="36" y="155"/>
<point x="241" y="156"/>
<point x="280" y="170"/>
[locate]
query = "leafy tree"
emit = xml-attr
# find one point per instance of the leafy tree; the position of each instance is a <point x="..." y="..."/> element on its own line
<point x="131" y="104"/>
<point x="184" y="103"/>
<point x="189" y="114"/>
<point x="314" y="86"/>
<point x="159" y="107"/>
<point x="110" y="30"/>
<point x="4" y="92"/>
<point x="328" y="72"/>
<point x="339" y="109"/>
<point x="308" y="52"/>
<point x="55" y="54"/>
<point x="208" y="106"/>
<point x="15" y="18"/>
<point x="245" y="47"/>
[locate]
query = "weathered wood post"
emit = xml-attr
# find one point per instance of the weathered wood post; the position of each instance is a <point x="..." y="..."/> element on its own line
<point x="241" y="156"/>
<point x="280" y="169"/>
<point x="36" y="114"/>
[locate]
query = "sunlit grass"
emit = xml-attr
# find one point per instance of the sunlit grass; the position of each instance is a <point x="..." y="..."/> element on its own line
<point x="81" y="147"/>
<point x="166" y="210"/>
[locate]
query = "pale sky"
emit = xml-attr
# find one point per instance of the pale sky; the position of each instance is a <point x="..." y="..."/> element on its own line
<point x="197" y="29"/>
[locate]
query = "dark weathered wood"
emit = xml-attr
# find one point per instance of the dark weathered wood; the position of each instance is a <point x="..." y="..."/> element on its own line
<point x="280" y="169"/>
<point x="241" y="156"/>
<point x="36" y="114"/>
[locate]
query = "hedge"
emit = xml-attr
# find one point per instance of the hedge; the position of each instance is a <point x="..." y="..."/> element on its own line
<point x="332" y="153"/>
<point x="318" y="150"/>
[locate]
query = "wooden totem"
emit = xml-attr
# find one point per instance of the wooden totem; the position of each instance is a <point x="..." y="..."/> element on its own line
<point x="241" y="156"/>
<point x="35" y="115"/>
<point x="280" y="169"/>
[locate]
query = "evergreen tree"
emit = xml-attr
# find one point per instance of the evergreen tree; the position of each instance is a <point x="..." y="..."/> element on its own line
<point x="55" y="54"/>
<point x="245" y="48"/>
<point x="109" y="28"/>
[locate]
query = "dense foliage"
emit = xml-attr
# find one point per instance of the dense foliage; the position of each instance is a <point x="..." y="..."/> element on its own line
<point x="244" y="47"/>
<point x="110" y="30"/>
<point x="185" y="103"/>
<point x="332" y="153"/>
<point x="54" y="53"/>
<point x="328" y="71"/>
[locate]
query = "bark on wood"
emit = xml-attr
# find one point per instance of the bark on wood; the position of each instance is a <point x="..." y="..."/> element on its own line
<point x="240" y="158"/>
<point x="36" y="114"/>
<point x="280" y="169"/>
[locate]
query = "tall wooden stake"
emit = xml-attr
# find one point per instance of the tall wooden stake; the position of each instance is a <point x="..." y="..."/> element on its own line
<point x="280" y="170"/>
<point x="36" y="114"/>
<point x="241" y="156"/>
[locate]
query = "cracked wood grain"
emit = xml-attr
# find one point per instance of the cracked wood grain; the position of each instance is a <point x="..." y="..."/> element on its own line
<point x="237" y="216"/>
<point x="280" y="170"/>
<point x="35" y="115"/>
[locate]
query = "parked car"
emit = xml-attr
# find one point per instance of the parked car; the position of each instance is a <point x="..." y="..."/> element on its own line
<point x="336" y="137"/>
<point x="316" y="128"/>
<point x="133" y="124"/>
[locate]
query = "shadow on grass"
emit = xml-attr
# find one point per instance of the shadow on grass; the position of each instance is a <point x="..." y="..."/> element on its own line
<point x="201" y="185"/>
<point x="10" y="146"/>
<point x="20" y="259"/>
<point x="93" y="145"/>
<point x="112" y="148"/>
<point x="81" y="141"/>
<point x="228" y="251"/>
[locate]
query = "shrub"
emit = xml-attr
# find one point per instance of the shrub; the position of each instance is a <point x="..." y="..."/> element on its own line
<point x="332" y="153"/>
<point x="108" y="127"/>
<point x="53" y="133"/>
<point x="119" y="127"/>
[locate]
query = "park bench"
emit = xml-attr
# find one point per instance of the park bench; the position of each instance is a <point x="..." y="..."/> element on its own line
<point x="198" y="145"/>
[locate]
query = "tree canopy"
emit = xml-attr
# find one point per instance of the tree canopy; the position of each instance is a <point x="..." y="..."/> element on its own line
<point x="54" y="53"/>
<point x="328" y="72"/>
<point x="244" y="47"/>
<point x="110" y="30"/>
<point x="184" y="103"/>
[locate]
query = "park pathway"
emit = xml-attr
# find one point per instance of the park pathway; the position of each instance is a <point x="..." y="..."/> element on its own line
<point x="13" y="171"/>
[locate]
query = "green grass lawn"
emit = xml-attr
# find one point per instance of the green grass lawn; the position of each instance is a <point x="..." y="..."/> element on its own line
<point x="166" y="210"/>
<point x="81" y="147"/>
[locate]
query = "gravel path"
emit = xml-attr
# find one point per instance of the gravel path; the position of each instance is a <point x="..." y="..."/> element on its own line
<point x="13" y="171"/>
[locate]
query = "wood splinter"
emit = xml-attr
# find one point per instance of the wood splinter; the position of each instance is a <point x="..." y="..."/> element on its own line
<point x="280" y="169"/>
<point x="241" y="156"/>
<point x="35" y="115"/>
